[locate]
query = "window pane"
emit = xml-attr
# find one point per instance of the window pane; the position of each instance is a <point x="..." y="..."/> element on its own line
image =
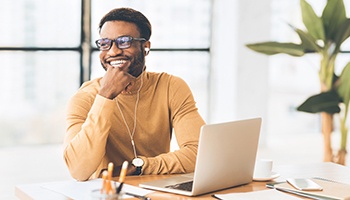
<point x="175" y="23"/>
<point x="35" y="88"/>
<point x="40" y="23"/>
<point x="193" y="67"/>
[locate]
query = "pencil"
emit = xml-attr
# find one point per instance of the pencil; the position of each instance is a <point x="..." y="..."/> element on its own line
<point x="110" y="170"/>
<point x="108" y="187"/>
<point x="122" y="176"/>
<point x="104" y="179"/>
<point x="123" y="171"/>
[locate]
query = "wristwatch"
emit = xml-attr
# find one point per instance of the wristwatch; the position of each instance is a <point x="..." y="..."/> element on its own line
<point x="138" y="163"/>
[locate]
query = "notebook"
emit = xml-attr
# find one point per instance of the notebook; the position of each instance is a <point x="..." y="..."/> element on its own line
<point x="225" y="158"/>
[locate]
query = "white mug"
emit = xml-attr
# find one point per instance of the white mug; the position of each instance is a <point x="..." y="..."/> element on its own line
<point x="263" y="168"/>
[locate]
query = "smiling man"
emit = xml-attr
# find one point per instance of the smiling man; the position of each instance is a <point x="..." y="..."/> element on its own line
<point x="129" y="113"/>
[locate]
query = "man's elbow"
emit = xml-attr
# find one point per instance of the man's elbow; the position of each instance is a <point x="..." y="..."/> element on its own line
<point x="79" y="173"/>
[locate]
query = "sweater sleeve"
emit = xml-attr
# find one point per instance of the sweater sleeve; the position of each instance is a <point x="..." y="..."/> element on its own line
<point x="87" y="132"/>
<point x="186" y="122"/>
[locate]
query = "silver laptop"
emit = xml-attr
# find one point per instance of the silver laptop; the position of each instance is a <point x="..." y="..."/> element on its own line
<point x="226" y="158"/>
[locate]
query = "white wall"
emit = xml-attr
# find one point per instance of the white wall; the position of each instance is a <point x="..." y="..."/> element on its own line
<point x="239" y="84"/>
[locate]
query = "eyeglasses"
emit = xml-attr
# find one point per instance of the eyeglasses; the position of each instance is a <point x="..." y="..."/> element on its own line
<point x="122" y="42"/>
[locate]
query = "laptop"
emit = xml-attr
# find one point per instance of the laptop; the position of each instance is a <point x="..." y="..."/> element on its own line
<point x="225" y="158"/>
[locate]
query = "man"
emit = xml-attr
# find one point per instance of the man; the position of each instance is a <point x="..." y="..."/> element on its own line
<point x="129" y="113"/>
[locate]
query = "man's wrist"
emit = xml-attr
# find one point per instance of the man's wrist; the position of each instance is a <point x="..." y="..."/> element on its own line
<point x="138" y="164"/>
<point x="106" y="95"/>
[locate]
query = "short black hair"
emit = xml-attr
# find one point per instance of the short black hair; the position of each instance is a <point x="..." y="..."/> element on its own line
<point x="129" y="15"/>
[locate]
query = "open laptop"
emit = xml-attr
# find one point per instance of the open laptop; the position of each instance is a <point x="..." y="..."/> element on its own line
<point x="225" y="158"/>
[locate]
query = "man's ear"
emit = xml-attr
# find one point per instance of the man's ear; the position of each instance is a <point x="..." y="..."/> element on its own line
<point x="147" y="47"/>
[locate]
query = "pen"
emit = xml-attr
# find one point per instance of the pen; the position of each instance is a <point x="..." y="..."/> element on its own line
<point x="122" y="176"/>
<point x="138" y="196"/>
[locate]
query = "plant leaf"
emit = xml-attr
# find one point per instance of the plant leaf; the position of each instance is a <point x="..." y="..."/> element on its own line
<point x="271" y="48"/>
<point x="323" y="102"/>
<point x="343" y="33"/>
<point x="343" y="84"/>
<point x="308" y="42"/>
<point x="312" y="22"/>
<point x="333" y="16"/>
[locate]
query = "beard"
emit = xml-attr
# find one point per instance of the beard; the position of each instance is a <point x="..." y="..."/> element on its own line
<point x="137" y="65"/>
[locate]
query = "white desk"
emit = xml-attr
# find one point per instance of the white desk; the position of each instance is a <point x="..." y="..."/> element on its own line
<point x="323" y="170"/>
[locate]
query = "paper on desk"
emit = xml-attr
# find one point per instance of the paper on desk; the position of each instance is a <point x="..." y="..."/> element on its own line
<point x="81" y="190"/>
<point x="270" y="194"/>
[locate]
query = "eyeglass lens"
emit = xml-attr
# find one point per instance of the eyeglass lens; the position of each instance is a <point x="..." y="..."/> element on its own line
<point x="123" y="42"/>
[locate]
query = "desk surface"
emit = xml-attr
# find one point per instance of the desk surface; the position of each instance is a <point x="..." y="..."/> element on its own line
<point x="323" y="170"/>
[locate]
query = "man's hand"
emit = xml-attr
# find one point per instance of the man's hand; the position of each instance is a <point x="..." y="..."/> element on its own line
<point x="116" y="80"/>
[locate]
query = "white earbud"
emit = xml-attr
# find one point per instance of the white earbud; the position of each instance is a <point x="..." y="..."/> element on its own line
<point x="147" y="50"/>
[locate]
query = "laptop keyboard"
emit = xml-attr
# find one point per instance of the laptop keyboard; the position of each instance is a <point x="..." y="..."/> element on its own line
<point x="187" y="186"/>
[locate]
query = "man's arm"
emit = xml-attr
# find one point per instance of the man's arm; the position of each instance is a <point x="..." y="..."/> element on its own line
<point x="86" y="135"/>
<point x="88" y="121"/>
<point x="187" y="123"/>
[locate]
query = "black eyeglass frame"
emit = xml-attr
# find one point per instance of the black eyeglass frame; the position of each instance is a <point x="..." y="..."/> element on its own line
<point x="118" y="42"/>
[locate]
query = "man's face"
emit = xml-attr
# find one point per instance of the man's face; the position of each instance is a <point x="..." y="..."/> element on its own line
<point x="114" y="57"/>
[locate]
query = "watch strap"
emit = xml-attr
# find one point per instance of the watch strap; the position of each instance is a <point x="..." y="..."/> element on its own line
<point x="138" y="171"/>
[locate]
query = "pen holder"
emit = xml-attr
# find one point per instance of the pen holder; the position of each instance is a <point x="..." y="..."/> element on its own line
<point x="97" y="195"/>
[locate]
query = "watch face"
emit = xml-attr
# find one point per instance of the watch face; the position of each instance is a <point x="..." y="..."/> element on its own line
<point x="137" y="162"/>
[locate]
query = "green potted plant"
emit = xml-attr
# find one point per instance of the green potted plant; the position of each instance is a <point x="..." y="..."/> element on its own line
<point x="323" y="35"/>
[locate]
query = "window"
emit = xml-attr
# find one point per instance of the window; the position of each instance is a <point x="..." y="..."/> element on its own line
<point x="39" y="60"/>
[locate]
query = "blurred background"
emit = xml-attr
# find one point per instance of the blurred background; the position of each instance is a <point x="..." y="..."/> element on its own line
<point x="47" y="51"/>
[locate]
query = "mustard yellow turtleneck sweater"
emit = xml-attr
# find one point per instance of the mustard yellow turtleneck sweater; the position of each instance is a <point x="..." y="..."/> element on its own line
<point x="96" y="133"/>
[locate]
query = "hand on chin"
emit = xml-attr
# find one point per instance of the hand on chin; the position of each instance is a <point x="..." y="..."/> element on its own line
<point x="128" y="88"/>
